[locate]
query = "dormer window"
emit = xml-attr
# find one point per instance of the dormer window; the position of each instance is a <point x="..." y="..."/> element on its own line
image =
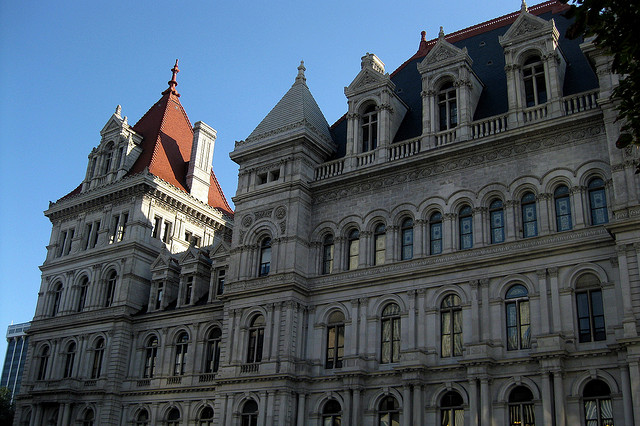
<point x="535" y="88"/>
<point x="108" y="158"/>
<point x="447" y="107"/>
<point x="369" y="128"/>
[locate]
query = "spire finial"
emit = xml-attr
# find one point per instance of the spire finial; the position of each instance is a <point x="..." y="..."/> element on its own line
<point x="523" y="7"/>
<point x="173" y="83"/>
<point x="441" y="33"/>
<point x="423" y="36"/>
<point x="118" y="110"/>
<point x="300" y="78"/>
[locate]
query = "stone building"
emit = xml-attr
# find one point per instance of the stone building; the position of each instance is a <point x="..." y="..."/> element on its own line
<point x="13" y="367"/>
<point x="460" y="248"/>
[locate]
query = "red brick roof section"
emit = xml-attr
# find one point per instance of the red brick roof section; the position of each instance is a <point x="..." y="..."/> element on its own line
<point x="552" y="6"/>
<point x="167" y="137"/>
<point x="216" y="196"/>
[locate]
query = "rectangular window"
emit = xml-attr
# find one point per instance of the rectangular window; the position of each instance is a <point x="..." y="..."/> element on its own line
<point x="221" y="274"/>
<point x="118" y="227"/>
<point x="590" y="316"/>
<point x="188" y="290"/>
<point x="157" y="224"/>
<point x="436" y="238"/>
<point x="62" y="239"/>
<point x="166" y="235"/>
<point x="335" y="346"/>
<point x="67" y="243"/>
<point x="159" y="295"/>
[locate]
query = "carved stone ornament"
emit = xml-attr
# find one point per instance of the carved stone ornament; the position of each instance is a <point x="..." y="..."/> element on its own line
<point x="247" y="221"/>
<point x="527" y="27"/>
<point x="281" y="212"/>
<point x="441" y="54"/>
<point x="263" y="213"/>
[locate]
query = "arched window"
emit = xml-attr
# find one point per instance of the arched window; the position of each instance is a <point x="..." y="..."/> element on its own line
<point x="142" y="419"/>
<point x="212" y="351"/>
<point x="111" y="288"/>
<point x="518" y="319"/>
<point x="206" y="417"/>
<point x="451" y="326"/>
<point x="256" y="339"/>
<point x="250" y="413"/>
<point x="82" y="294"/>
<point x="57" y="299"/>
<point x="406" y="235"/>
<point x="150" y="357"/>
<point x="369" y="128"/>
<point x="265" y="257"/>
<point x="180" y="360"/>
<point x="44" y="362"/>
<point x="598" y="410"/>
<point x="465" y="225"/>
<point x="353" y="249"/>
<point x="327" y="254"/>
<point x="379" y="244"/>
<point x="88" y="417"/>
<point x="435" y="233"/>
<point x="332" y="413"/>
<point x="535" y="88"/>
<point x="590" y="310"/>
<point x="69" y="358"/>
<point x="447" y="107"/>
<point x="451" y="409"/>
<point x="26" y="417"/>
<point x="390" y="336"/>
<point x="335" y="340"/>
<point x="563" y="208"/>
<point x="173" y="417"/>
<point x="521" y="407"/>
<point x="529" y="215"/>
<point x="98" y="356"/>
<point x="597" y="202"/>
<point x="496" y="219"/>
<point x="388" y="412"/>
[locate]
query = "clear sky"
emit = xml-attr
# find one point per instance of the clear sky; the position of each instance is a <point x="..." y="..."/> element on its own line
<point x="65" y="65"/>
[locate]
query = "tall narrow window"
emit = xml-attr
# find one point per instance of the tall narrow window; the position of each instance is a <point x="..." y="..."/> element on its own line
<point x="159" y="295"/>
<point x="451" y="410"/>
<point x="447" y="107"/>
<point x="108" y="158"/>
<point x="250" y="413"/>
<point x="465" y="224"/>
<point x="188" y="290"/>
<point x="142" y="419"/>
<point x="369" y="129"/>
<point x="597" y="202"/>
<point x="496" y="218"/>
<point x="150" y="357"/>
<point x="166" y="233"/>
<point x="110" y="291"/>
<point x="180" y="360"/>
<point x="332" y="413"/>
<point x="94" y="234"/>
<point x="57" y="299"/>
<point x="535" y="88"/>
<point x="69" y="359"/>
<point x="563" y="208"/>
<point x="327" y="254"/>
<point x="69" y="241"/>
<point x="82" y="294"/>
<point x="390" y="338"/>
<point x="406" y="234"/>
<point x="212" y="351"/>
<point x="157" y="227"/>
<point x="206" y="417"/>
<point x="221" y="275"/>
<point x="353" y="249"/>
<point x="44" y="363"/>
<point x="521" y="407"/>
<point x="590" y="310"/>
<point x="256" y="339"/>
<point x="529" y="215"/>
<point x="62" y="241"/>
<point x="389" y="412"/>
<point x="435" y="233"/>
<point x="451" y="326"/>
<point x="98" y="356"/>
<point x="598" y="410"/>
<point x="173" y="417"/>
<point x="518" y="318"/>
<point x="88" y="418"/>
<point x="265" y="257"/>
<point x="379" y="244"/>
<point x="335" y="340"/>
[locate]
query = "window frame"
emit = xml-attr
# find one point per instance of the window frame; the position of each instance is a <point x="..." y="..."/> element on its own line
<point x="435" y="227"/>
<point x="528" y="205"/>
<point x="447" y="106"/>
<point x="597" y="188"/>
<point x="334" y="353"/>
<point x="255" y="339"/>
<point x="523" y="330"/>
<point x="328" y="248"/>
<point x="533" y="76"/>
<point x="521" y="407"/>
<point x="181" y="353"/>
<point x="598" y="397"/>
<point x="69" y="359"/>
<point x="390" y="318"/>
<point x="265" y="257"/>
<point x="562" y="196"/>
<point x="379" y="239"/>
<point x="249" y="413"/>
<point x="150" y="357"/>
<point x="98" y="358"/>
<point x="593" y="332"/>
<point x="330" y="415"/>
<point x="452" y="408"/>
<point x="406" y="238"/>
<point x="388" y="411"/>
<point x="465" y="216"/>
<point x="450" y="312"/>
<point x="110" y="288"/>
<point x="496" y="221"/>
<point x="212" y="350"/>
<point x="369" y="128"/>
<point x="83" y="289"/>
<point x="353" y="249"/>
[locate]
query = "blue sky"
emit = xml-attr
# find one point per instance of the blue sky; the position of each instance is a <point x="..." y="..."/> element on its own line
<point x="66" y="65"/>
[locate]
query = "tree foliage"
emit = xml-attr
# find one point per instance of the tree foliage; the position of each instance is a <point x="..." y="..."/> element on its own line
<point x="6" y="407"/>
<point x="616" y="27"/>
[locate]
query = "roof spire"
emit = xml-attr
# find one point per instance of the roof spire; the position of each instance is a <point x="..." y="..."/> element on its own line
<point x="173" y="83"/>
<point x="441" y="33"/>
<point x="523" y="7"/>
<point x="300" y="78"/>
<point x="423" y="36"/>
<point x="118" y="110"/>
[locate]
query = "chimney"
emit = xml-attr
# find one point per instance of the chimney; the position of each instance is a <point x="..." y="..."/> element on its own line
<point x="198" y="175"/>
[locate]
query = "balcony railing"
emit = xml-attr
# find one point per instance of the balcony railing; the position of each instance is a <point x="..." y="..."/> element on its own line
<point x="249" y="368"/>
<point x="489" y="126"/>
<point x="580" y="102"/>
<point x="446" y="137"/>
<point x="175" y="380"/>
<point x="330" y="169"/>
<point x="404" y="149"/>
<point x="207" y="377"/>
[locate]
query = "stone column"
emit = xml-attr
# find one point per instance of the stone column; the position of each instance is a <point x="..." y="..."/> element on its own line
<point x="473" y="402"/>
<point x="510" y="222"/>
<point x="559" y="398"/>
<point x="406" y="406"/>
<point x="419" y="242"/>
<point x="346" y="410"/>
<point x="62" y="412"/>
<point x="356" y="416"/>
<point x="364" y="248"/>
<point x="556" y="326"/>
<point x="628" y="321"/>
<point x="475" y="313"/>
<point x="626" y="395"/>
<point x="268" y="333"/>
<point x="262" y="410"/>
<point x="338" y="256"/>
<point x="352" y="348"/>
<point x="547" y="402"/>
<point x="229" y="415"/>
<point x="36" y="415"/>
<point x="544" y="302"/>
<point x="301" y="409"/>
<point x="578" y="206"/>
<point x="422" y="321"/>
<point x="479" y="213"/>
<point x="417" y="405"/>
<point x="449" y="232"/>
<point x="277" y="314"/>
<point x="634" y="375"/>
<point x="543" y="213"/>
<point x="270" y="403"/>
<point x="485" y="404"/>
<point x="362" y="338"/>
<point x="412" y="326"/>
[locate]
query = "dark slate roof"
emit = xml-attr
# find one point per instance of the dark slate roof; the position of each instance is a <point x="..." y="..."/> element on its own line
<point x="487" y="54"/>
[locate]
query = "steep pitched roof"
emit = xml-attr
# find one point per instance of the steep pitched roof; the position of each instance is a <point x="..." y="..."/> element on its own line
<point x="295" y="107"/>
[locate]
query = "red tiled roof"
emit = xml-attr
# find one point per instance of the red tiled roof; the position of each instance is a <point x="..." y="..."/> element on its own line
<point x="216" y="196"/>
<point x="553" y="6"/>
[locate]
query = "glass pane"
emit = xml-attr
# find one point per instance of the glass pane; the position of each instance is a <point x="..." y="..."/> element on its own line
<point x="459" y="417"/>
<point x="590" y="411"/>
